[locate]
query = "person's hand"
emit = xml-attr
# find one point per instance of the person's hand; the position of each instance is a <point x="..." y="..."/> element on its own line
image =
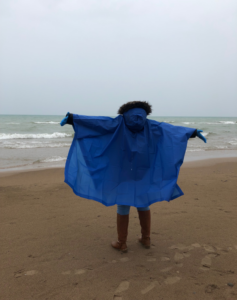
<point x="64" y="120"/>
<point x="201" y="136"/>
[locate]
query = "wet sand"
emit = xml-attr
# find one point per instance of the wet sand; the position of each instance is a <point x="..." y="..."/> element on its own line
<point x="55" y="245"/>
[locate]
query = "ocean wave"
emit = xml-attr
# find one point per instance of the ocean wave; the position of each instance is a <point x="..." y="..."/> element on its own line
<point x="221" y="147"/>
<point x="20" y="145"/>
<point x="233" y="142"/>
<point x="11" y="123"/>
<point x="210" y="123"/>
<point x="55" y="135"/>
<point x="205" y="133"/>
<point x="49" y="122"/>
<point x="53" y="159"/>
<point x="227" y="122"/>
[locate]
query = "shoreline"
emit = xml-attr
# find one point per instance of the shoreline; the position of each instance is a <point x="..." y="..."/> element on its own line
<point x="192" y="159"/>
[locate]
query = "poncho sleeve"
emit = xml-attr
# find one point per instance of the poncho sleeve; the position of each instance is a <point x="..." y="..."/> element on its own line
<point x="171" y="151"/>
<point x="93" y="126"/>
<point x="175" y="140"/>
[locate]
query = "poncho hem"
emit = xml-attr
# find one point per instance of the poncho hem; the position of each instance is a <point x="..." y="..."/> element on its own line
<point x="104" y="203"/>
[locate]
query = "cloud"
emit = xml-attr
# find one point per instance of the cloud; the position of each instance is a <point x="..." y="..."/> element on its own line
<point x="175" y="50"/>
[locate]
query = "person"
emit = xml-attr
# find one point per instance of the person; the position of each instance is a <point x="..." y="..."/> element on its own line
<point x="129" y="161"/>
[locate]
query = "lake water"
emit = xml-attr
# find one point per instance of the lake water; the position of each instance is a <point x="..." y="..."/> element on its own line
<point x="40" y="141"/>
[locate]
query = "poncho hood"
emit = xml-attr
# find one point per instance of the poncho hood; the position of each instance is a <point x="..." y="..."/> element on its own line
<point x="135" y="119"/>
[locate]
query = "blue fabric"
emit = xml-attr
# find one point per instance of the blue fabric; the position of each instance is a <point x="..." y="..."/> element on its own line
<point x="127" y="160"/>
<point x="124" y="209"/>
<point x="201" y="136"/>
<point x="143" y="208"/>
<point x="64" y="120"/>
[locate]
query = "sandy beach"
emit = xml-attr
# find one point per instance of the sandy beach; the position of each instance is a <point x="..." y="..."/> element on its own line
<point x="55" y="245"/>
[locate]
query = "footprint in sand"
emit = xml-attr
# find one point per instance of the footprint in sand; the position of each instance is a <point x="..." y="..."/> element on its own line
<point x="151" y="259"/>
<point x="75" y="272"/>
<point x="18" y="273"/>
<point x="172" y="280"/>
<point x="182" y="247"/>
<point x="213" y="255"/>
<point x="186" y="254"/>
<point x="206" y="261"/>
<point x="124" y="259"/>
<point x="178" y="246"/>
<point x="166" y="269"/>
<point x="66" y="273"/>
<point x="209" y="248"/>
<point x="165" y="259"/>
<point x="196" y="245"/>
<point x="79" y="272"/>
<point x="178" y="256"/>
<point x="210" y="288"/>
<point x="123" y="286"/>
<point x="30" y="273"/>
<point x="150" y="287"/>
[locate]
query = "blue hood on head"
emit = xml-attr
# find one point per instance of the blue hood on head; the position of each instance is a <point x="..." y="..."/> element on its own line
<point x="135" y="119"/>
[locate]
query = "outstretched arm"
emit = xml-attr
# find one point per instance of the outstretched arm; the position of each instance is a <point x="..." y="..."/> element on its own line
<point x="88" y="126"/>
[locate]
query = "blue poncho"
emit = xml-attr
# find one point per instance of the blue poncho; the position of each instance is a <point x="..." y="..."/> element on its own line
<point x="127" y="160"/>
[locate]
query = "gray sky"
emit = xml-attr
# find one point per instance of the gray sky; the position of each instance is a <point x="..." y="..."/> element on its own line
<point x="90" y="57"/>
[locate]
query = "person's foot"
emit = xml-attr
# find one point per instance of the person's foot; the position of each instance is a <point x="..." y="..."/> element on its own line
<point x="122" y="229"/>
<point x="145" y="221"/>
<point x="119" y="246"/>
<point x="146" y="242"/>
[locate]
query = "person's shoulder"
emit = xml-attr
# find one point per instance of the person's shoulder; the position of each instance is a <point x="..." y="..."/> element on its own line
<point x="102" y="118"/>
<point x="163" y="126"/>
<point x="154" y="124"/>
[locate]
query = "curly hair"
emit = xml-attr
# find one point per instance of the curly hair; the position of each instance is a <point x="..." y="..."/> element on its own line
<point x="135" y="104"/>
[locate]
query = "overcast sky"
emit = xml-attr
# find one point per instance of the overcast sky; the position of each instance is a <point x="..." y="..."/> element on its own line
<point x="91" y="56"/>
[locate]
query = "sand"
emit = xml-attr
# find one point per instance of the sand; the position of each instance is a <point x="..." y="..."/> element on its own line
<point x="55" y="245"/>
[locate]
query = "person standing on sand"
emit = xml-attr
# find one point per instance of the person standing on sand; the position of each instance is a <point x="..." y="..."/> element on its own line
<point x="129" y="161"/>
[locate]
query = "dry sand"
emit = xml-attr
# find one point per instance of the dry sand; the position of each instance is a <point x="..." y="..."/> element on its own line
<point x="55" y="245"/>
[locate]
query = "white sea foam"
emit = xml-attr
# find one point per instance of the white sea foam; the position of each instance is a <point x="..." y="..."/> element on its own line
<point x="49" y="122"/>
<point x="53" y="159"/>
<point x="221" y="147"/>
<point x="20" y="145"/>
<point x="55" y="135"/>
<point x="187" y="123"/>
<point x="227" y="122"/>
<point x="205" y="133"/>
<point x="210" y="123"/>
<point x="233" y="142"/>
<point x="11" y="123"/>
